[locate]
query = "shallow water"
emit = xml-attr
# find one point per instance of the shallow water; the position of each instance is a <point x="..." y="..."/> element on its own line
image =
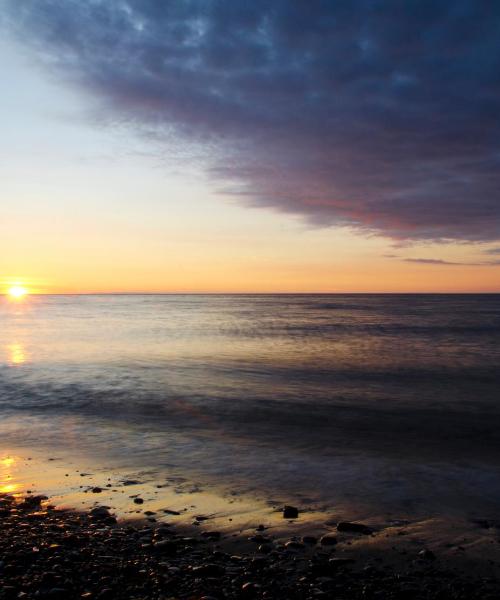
<point x="374" y="402"/>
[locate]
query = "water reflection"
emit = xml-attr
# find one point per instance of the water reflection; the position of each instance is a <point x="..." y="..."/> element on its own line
<point x="6" y="484"/>
<point x="17" y="354"/>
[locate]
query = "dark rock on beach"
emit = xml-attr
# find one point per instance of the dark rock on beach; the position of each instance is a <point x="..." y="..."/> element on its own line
<point x="426" y="554"/>
<point x="346" y="526"/>
<point x="328" y="540"/>
<point x="290" y="512"/>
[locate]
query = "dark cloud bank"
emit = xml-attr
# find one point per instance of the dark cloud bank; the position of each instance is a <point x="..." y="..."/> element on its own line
<point x="383" y="115"/>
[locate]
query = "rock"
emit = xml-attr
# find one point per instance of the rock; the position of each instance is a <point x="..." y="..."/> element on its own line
<point x="165" y="547"/>
<point x="310" y="540"/>
<point x="340" y="562"/>
<point x="170" y="512"/>
<point x="58" y="593"/>
<point x="349" y="527"/>
<point x="290" y="512"/>
<point x="328" y="540"/>
<point x="34" y="501"/>
<point x="319" y="568"/>
<point x="100" y="512"/>
<point x="426" y="554"/>
<point x="211" y="535"/>
<point x="209" y="570"/>
<point x="294" y="545"/>
<point x="249" y="589"/>
<point x="96" y="490"/>
<point x="162" y="531"/>
<point x="138" y="501"/>
<point x="259" y="539"/>
<point x="259" y="562"/>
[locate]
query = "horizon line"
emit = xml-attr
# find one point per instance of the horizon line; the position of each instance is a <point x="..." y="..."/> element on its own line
<point x="393" y="293"/>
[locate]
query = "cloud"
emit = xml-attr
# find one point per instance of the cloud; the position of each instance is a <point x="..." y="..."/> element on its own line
<point x="382" y="116"/>
<point x="492" y="251"/>
<point x="437" y="261"/>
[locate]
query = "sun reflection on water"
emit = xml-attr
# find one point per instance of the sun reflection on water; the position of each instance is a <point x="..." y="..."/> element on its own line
<point x="17" y="354"/>
<point x="7" y="486"/>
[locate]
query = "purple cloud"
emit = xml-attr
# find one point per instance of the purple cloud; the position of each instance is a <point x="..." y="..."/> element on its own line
<point x="439" y="261"/>
<point x="436" y="261"/>
<point x="383" y="116"/>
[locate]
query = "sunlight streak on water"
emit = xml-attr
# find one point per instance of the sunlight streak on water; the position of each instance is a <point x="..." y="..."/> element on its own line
<point x="17" y="354"/>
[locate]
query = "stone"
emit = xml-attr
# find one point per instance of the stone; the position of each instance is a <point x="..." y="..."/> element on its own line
<point x="211" y="535"/>
<point x="208" y="570"/>
<point x="294" y="545"/>
<point x="310" y="540"/>
<point x="165" y="547"/>
<point x="348" y="527"/>
<point x="100" y="512"/>
<point x="340" y="562"/>
<point x="290" y="512"/>
<point x="328" y="540"/>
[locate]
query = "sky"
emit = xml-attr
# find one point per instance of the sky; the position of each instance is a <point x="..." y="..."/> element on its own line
<point x="271" y="146"/>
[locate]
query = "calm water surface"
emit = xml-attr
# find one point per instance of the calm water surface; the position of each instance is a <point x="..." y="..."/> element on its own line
<point x="388" y="402"/>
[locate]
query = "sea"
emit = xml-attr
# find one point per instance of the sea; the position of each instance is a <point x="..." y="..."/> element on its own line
<point x="382" y="403"/>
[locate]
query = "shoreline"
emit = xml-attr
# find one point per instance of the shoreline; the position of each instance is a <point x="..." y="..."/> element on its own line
<point x="172" y="498"/>
<point x="50" y="553"/>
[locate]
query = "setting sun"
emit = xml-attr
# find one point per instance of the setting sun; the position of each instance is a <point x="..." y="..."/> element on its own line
<point x="17" y="291"/>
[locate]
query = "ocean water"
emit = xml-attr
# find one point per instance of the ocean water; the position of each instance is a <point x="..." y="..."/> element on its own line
<point x="378" y="402"/>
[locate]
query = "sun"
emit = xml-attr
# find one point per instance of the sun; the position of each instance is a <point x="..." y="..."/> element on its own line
<point x="17" y="291"/>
